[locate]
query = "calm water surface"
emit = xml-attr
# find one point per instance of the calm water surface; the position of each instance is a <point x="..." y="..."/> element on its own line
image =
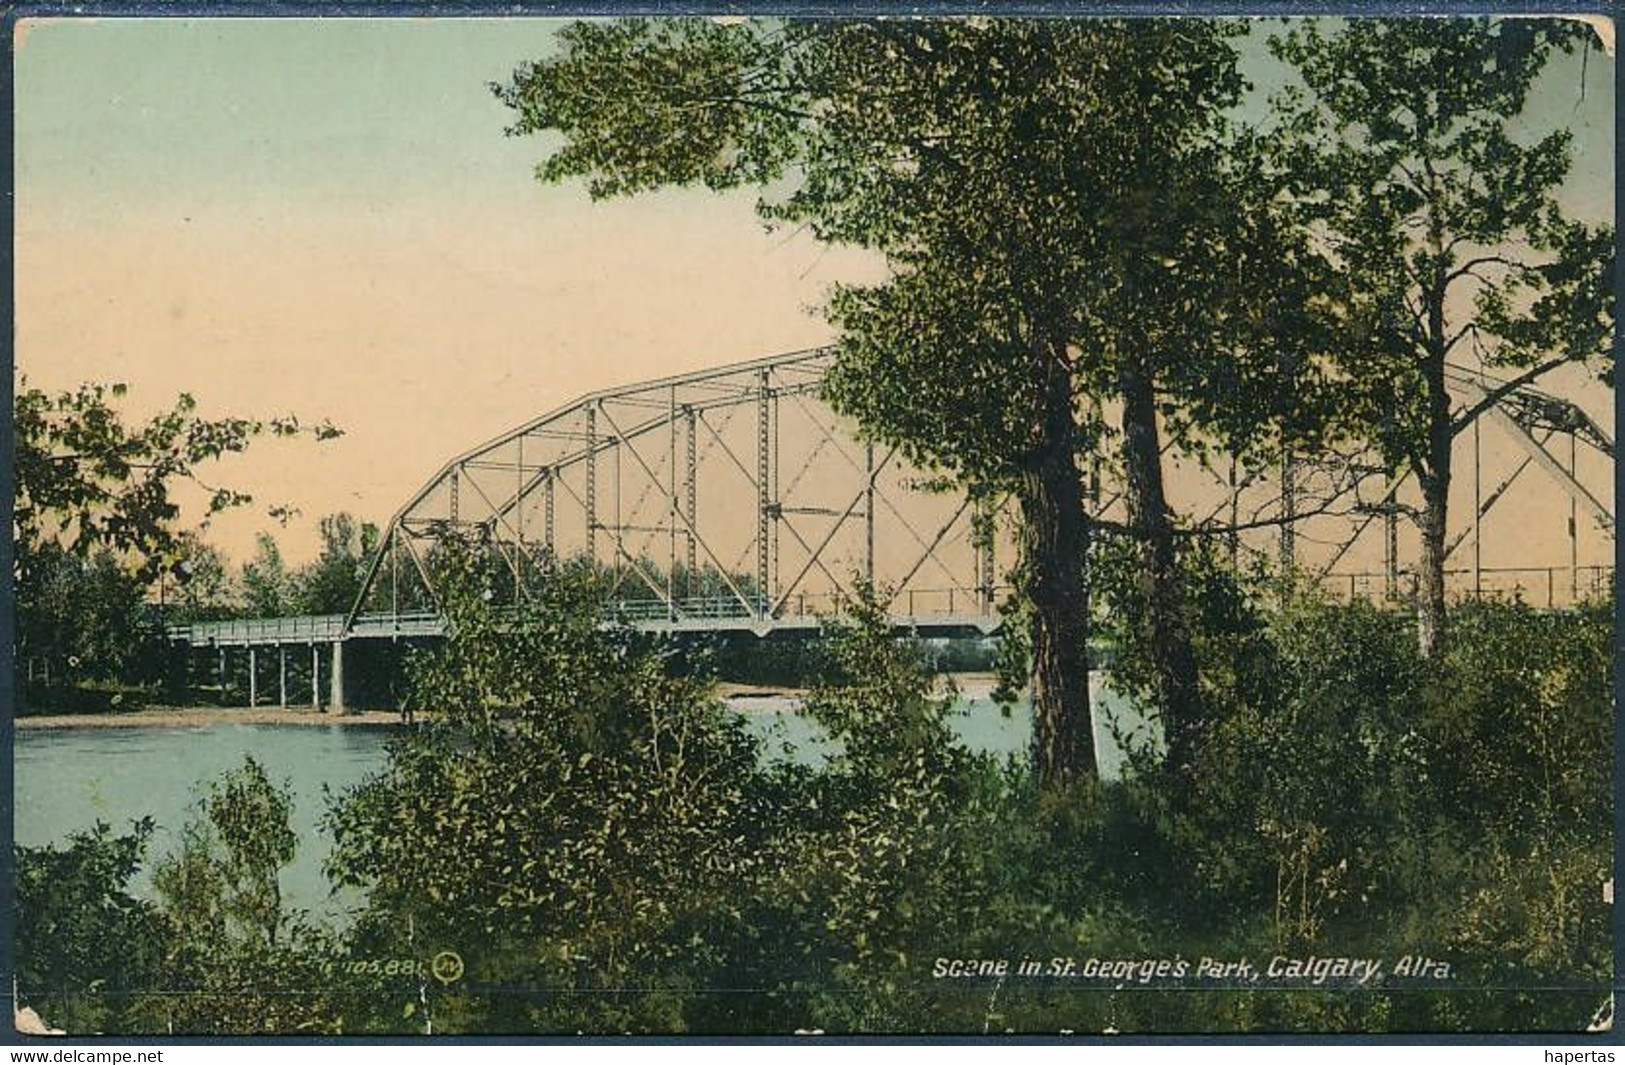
<point x="68" y="779"/>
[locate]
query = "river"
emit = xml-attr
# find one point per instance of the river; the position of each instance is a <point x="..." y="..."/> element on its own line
<point x="68" y="779"/>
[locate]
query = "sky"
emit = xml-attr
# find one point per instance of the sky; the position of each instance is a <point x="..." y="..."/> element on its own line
<point x="324" y="217"/>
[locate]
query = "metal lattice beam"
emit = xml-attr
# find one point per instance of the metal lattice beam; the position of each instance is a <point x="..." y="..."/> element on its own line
<point x="678" y="475"/>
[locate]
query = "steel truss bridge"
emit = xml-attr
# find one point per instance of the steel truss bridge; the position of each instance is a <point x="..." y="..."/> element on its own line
<point x="734" y="499"/>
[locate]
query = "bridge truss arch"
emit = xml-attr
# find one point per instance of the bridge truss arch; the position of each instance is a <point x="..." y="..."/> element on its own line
<point x="735" y="498"/>
<point x="726" y="498"/>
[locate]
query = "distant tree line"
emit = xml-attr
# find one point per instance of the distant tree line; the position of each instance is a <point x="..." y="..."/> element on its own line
<point x="101" y="557"/>
<point x="95" y="618"/>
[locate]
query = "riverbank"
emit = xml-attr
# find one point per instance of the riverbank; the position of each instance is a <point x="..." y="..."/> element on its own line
<point x="192" y="716"/>
<point x="195" y="716"/>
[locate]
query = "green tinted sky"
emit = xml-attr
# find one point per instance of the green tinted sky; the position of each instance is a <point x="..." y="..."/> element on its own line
<point x="339" y="107"/>
<point x="358" y="107"/>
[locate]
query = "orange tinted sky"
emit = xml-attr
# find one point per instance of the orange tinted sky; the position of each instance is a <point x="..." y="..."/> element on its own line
<point x="325" y="218"/>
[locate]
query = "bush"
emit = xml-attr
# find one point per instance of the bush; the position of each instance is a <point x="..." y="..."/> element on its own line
<point x="84" y="944"/>
<point x="594" y="826"/>
<point x="235" y="959"/>
<point x="604" y="846"/>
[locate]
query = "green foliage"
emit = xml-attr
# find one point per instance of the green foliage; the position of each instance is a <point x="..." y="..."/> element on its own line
<point x="593" y="816"/>
<point x="202" y="588"/>
<point x="623" y="87"/>
<point x="235" y="959"/>
<point x="84" y="943"/>
<point x="87" y="480"/>
<point x="877" y="699"/>
<point x="898" y="852"/>
<point x="1458" y="808"/>
<point x="225" y="877"/>
<point x="1004" y="168"/>
<point x="601" y="840"/>
<point x="1514" y="731"/>
<point x="605" y="847"/>
<point x="1531" y="766"/>
<point x="96" y="525"/>
<point x="199" y="586"/>
<point x="80" y="619"/>
<point x="1446" y="228"/>
<point x="267" y="585"/>
<point x="1319" y="763"/>
<point x="1065" y="212"/>
<point x="331" y="583"/>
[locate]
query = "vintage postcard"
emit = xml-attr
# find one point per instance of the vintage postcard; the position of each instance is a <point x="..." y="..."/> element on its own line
<point x="940" y="525"/>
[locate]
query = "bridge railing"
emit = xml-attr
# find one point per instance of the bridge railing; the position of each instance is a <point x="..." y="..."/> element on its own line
<point x="1549" y="587"/>
<point x="309" y="628"/>
<point x="920" y="603"/>
<point x="1542" y="586"/>
<point x="421" y="623"/>
<point x="706" y="607"/>
<point x="914" y="602"/>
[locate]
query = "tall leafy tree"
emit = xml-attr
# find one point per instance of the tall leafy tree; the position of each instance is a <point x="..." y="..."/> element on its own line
<point x="198" y="585"/>
<point x="85" y="941"/>
<point x="267" y="585"/>
<point x="236" y="957"/>
<point x="1443" y="213"/>
<point x="1060" y="215"/>
<point x="78" y="619"/>
<point x="223" y="884"/>
<point x="331" y="583"/>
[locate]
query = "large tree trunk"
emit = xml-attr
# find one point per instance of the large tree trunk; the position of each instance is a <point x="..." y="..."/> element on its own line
<point x="1055" y="545"/>
<point x="1166" y="635"/>
<point x="1435" y="484"/>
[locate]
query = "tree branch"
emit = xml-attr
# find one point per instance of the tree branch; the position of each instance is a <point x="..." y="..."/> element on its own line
<point x="1472" y="264"/>
<point x="1459" y="423"/>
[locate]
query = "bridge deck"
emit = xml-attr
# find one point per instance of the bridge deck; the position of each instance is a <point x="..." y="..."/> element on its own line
<point x="330" y="628"/>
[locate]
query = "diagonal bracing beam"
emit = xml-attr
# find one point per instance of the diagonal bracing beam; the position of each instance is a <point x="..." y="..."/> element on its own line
<point x="1553" y="468"/>
<point x="721" y="570"/>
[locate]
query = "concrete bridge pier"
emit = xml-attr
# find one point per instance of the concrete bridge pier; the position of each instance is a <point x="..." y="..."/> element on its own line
<point x="177" y="671"/>
<point x="337" y="673"/>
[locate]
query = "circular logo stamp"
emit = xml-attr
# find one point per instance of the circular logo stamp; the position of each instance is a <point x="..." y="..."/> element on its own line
<point x="447" y="967"/>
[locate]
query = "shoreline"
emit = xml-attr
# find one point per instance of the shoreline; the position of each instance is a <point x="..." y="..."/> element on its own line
<point x="191" y="716"/>
<point x="184" y="716"/>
